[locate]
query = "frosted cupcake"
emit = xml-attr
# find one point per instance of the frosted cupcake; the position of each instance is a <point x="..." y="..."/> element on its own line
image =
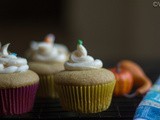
<point x="46" y="59"/>
<point x="18" y="85"/>
<point x="84" y="86"/>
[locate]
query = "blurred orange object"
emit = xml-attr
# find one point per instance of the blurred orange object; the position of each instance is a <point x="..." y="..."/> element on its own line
<point x="124" y="81"/>
<point x="140" y="79"/>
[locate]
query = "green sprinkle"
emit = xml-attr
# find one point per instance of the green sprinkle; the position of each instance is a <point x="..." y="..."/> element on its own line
<point x="80" y="42"/>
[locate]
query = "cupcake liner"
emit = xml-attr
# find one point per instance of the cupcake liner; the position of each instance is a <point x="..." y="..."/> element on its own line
<point x="17" y="100"/>
<point x="47" y="88"/>
<point x="86" y="99"/>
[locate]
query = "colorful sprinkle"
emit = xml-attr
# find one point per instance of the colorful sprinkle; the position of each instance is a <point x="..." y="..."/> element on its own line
<point x="14" y="54"/>
<point x="80" y="42"/>
<point x="49" y="38"/>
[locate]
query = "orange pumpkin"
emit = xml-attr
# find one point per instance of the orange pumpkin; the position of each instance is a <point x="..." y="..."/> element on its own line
<point x="140" y="78"/>
<point x="124" y="81"/>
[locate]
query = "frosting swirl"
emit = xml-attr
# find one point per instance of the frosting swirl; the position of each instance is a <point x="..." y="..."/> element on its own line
<point x="79" y="60"/>
<point x="48" y="51"/>
<point x="10" y="63"/>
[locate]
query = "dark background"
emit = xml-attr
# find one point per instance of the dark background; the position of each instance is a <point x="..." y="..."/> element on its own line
<point x="111" y="29"/>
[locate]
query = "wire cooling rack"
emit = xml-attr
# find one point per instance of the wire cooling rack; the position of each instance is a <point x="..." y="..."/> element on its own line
<point x="120" y="108"/>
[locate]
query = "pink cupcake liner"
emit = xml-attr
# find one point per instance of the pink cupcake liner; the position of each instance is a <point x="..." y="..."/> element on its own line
<point x="17" y="100"/>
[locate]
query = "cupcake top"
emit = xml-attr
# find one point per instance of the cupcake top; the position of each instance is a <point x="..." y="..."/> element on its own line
<point x="79" y="60"/>
<point x="48" y="51"/>
<point x="10" y="63"/>
<point x="16" y="80"/>
<point x="84" y="77"/>
<point x="44" y="68"/>
<point x="82" y="69"/>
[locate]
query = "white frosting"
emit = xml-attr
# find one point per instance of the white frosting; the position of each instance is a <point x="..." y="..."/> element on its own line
<point x="10" y="63"/>
<point x="48" y="51"/>
<point x="79" y="60"/>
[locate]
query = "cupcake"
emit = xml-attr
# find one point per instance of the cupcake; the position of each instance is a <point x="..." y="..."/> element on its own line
<point x="46" y="59"/>
<point x="18" y="85"/>
<point x="84" y="86"/>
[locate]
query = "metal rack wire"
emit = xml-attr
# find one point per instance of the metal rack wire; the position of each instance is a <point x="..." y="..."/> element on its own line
<point x="120" y="108"/>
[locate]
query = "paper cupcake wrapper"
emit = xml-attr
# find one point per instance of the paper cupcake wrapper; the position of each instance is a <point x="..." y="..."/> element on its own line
<point x="17" y="100"/>
<point x="86" y="99"/>
<point x="47" y="88"/>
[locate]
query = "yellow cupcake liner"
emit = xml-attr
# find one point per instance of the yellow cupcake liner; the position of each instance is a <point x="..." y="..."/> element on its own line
<point x="47" y="87"/>
<point x="86" y="99"/>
